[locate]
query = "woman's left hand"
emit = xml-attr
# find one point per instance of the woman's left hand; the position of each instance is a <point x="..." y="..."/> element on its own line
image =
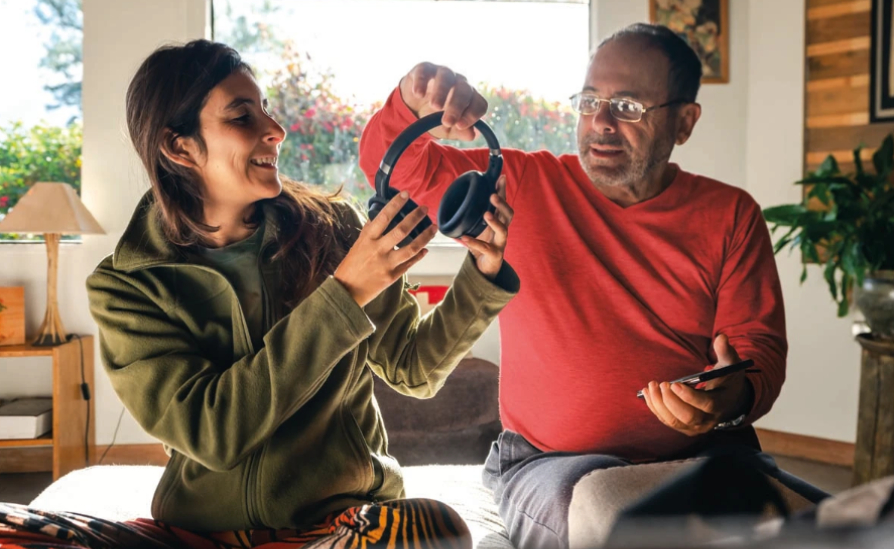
<point x="488" y="247"/>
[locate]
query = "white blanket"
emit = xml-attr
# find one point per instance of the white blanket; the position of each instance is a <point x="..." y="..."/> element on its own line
<point x="124" y="492"/>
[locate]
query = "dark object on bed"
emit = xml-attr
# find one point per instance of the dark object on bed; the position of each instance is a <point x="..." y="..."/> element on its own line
<point x="456" y="427"/>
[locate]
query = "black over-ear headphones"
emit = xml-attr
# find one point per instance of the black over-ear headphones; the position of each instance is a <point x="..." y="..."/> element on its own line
<point x="462" y="207"/>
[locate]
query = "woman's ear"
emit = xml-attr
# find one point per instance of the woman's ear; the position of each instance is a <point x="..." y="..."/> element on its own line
<point x="180" y="150"/>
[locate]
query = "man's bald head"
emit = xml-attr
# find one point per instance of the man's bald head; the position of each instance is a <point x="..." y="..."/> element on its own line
<point x="684" y="66"/>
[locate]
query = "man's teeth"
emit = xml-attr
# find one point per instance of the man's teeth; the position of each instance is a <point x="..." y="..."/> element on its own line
<point x="269" y="161"/>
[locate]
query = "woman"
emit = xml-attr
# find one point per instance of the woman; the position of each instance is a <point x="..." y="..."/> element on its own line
<point x="241" y="316"/>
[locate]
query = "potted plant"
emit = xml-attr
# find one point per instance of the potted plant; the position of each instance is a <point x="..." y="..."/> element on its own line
<point x="851" y="234"/>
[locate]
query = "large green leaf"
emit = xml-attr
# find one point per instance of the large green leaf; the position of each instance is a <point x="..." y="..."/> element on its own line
<point x="828" y="168"/>
<point x="829" y="275"/>
<point x="808" y="248"/>
<point x="821" y="230"/>
<point x="858" y="162"/>
<point x="824" y="180"/>
<point x="843" y="304"/>
<point x="786" y="214"/>
<point x="883" y="159"/>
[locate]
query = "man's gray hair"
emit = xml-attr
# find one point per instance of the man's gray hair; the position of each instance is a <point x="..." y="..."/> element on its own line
<point x="685" y="72"/>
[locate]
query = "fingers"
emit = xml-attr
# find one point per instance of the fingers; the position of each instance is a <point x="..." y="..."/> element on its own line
<point x="475" y="108"/>
<point x="407" y="265"/>
<point x="377" y="226"/>
<point x="501" y="186"/>
<point x="658" y="407"/>
<point x="405" y="253"/>
<point x="420" y="77"/>
<point x="435" y="88"/>
<point x="500" y="230"/>
<point x="457" y="101"/>
<point x="701" y="400"/>
<point x="504" y="210"/>
<point x="673" y="412"/>
<point x="726" y="353"/>
<point x="406" y="225"/>
<point x="477" y="246"/>
<point x="440" y="86"/>
<point x="690" y="420"/>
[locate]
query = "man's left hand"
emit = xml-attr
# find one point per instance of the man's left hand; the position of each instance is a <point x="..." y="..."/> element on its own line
<point x="488" y="247"/>
<point x="695" y="412"/>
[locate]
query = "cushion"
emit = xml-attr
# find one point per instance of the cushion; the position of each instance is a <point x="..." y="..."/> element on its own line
<point x="600" y="496"/>
<point x="454" y="427"/>
<point x="124" y="492"/>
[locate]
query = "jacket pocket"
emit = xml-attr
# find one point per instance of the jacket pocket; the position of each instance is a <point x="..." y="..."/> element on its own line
<point x="166" y="484"/>
<point x="251" y="483"/>
<point x="361" y="451"/>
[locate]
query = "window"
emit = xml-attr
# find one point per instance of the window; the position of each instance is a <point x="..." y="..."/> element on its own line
<point x="40" y="102"/>
<point x="328" y="64"/>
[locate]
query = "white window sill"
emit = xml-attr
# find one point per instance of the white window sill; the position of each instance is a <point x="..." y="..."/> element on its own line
<point x="443" y="259"/>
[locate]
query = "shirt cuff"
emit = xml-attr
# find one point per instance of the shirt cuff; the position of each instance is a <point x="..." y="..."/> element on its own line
<point x="501" y="289"/>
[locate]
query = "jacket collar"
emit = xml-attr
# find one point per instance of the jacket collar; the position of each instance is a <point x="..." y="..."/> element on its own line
<point x="144" y="243"/>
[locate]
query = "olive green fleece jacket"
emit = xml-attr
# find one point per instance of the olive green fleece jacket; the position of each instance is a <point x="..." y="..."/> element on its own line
<point x="281" y="436"/>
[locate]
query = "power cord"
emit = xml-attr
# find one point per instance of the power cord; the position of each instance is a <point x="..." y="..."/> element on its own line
<point x="114" y="436"/>
<point x="85" y="392"/>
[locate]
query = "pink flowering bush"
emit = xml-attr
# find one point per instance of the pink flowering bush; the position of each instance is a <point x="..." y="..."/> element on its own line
<point x="324" y="128"/>
<point x="522" y="121"/>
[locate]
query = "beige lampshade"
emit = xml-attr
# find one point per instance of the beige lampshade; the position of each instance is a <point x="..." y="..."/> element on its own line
<point x="52" y="208"/>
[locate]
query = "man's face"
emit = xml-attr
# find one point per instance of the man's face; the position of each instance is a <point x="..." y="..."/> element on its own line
<point x="617" y="153"/>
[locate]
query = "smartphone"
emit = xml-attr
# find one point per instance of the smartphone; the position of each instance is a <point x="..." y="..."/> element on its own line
<point x="708" y="375"/>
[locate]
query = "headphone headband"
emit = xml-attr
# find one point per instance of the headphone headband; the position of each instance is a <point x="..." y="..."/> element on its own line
<point x="417" y="129"/>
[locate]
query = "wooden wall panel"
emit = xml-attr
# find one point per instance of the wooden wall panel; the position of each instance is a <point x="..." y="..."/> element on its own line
<point x="836" y="91"/>
<point x="831" y="28"/>
<point x="825" y="6"/>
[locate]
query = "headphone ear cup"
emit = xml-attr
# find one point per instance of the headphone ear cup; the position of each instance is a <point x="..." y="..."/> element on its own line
<point x="462" y="208"/>
<point x="377" y="204"/>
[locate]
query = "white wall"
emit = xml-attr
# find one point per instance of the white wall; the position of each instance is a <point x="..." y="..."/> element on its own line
<point x="717" y="147"/>
<point x="821" y="393"/>
<point x="118" y="35"/>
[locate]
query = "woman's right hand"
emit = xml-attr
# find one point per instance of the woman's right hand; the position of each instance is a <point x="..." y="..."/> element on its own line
<point x="373" y="263"/>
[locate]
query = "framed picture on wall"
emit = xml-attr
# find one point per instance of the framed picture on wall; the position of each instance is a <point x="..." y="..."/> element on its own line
<point x="881" y="87"/>
<point x="704" y="24"/>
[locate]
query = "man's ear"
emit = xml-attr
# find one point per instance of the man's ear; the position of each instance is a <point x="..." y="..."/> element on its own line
<point x="687" y="116"/>
<point x="180" y="150"/>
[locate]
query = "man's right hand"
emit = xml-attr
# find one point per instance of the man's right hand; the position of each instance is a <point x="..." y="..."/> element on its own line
<point x="430" y="88"/>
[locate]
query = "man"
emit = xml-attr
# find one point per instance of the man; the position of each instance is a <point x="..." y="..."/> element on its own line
<point x="634" y="272"/>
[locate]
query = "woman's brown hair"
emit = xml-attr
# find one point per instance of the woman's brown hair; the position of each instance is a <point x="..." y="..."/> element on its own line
<point x="164" y="100"/>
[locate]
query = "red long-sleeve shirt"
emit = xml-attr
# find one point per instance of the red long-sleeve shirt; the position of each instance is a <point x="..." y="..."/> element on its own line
<point x="611" y="297"/>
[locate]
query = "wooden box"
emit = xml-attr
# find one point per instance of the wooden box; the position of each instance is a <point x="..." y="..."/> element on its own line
<point x="12" y="316"/>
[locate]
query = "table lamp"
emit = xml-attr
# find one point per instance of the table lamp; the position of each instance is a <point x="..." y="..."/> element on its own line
<point x="53" y="209"/>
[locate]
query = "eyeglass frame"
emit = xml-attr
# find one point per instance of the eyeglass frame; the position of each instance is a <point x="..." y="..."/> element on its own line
<point x="601" y="100"/>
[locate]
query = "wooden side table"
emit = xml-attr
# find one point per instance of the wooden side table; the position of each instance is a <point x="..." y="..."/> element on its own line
<point x="70" y="432"/>
<point x="874" y="453"/>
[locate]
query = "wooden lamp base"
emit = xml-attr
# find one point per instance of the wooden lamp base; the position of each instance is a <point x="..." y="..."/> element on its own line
<point x="51" y="331"/>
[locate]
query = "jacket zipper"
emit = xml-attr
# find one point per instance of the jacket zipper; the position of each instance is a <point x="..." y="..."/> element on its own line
<point x="360" y="445"/>
<point x="251" y="487"/>
<point x="251" y="481"/>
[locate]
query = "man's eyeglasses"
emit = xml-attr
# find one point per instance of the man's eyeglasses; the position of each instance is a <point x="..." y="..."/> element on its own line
<point x="625" y="110"/>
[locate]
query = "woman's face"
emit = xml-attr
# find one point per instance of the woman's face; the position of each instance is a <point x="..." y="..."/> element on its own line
<point x="238" y="165"/>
